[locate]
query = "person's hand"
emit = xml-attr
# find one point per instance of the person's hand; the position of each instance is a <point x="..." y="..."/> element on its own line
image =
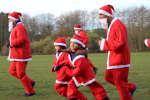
<point x="74" y="68"/>
<point x="55" y="68"/>
<point x="95" y="70"/>
<point x="99" y="42"/>
<point x="8" y="43"/>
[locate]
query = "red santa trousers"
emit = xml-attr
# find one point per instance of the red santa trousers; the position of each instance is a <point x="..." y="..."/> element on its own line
<point x="73" y="92"/>
<point x="61" y="89"/>
<point x="119" y="78"/>
<point x="97" y="90"/>
<point x="18" y="69"/>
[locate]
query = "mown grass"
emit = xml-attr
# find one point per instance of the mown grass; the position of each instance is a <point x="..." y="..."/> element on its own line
<point x="39" y="69"/>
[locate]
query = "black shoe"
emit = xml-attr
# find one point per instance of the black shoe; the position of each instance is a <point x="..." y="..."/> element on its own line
<point x="28" y="94"/>
<point x="72" y="99"/>
<point x="33" y="83"/>
<point x="106" y="98"/>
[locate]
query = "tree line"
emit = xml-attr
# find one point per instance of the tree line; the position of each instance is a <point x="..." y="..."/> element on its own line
<point x="44" y="29"/>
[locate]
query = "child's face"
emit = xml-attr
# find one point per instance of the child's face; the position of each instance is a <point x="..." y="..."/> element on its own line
<point x="57" y="48"/>
<point x="74" y="45"/>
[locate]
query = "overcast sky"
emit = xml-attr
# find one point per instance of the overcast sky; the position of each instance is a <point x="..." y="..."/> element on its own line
<point x="34" y="7"/>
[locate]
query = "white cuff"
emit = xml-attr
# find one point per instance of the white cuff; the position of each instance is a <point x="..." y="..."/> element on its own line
<point x="102" y="45"/>
<point x="146" y="42"/>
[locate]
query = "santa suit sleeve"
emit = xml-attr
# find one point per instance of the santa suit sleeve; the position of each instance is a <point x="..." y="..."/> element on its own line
<point x="83" y="35"/>
<point x="21" y="37"/>
<point x="54" y="64"/>
<point x="69" y="71"/>
<point x="147" y="42"/>
<point x="79" y="64"/>
<point x="117" y="42"/>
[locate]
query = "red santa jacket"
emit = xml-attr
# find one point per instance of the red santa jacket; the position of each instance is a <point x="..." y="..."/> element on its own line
<point x="20" y="50"/>
<point x="63" y="74"/>
<point x="116" y="45"/>
<point x="82" y="74"/>
<point x="147" y="42"/>
<point x="83" y="35"/>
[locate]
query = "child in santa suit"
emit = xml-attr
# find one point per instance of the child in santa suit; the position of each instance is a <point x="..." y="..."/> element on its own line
<point x="147" y="42"/>
<point x="118" y="61"/>
<point x="82" y="74"/>
<point x="83" y="35"/>
<point x="61" y="66"/>
<point x="19" y="52"/>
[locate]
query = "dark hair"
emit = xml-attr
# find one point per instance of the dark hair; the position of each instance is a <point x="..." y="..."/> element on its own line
<point x="63" y="47"/>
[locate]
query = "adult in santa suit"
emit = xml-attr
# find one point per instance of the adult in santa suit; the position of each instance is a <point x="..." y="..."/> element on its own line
<point x="116" y="45"/>
<point x="82" y="34"/>
<point x="82" y="74"/>
<point x="147" y="42"/>
<point x="19" y="52"/>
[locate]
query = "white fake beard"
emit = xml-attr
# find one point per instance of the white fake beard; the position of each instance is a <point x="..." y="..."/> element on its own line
<point x="104" y="23"/>
<point x="76" y="32"/>
<point x="10" y="27"/>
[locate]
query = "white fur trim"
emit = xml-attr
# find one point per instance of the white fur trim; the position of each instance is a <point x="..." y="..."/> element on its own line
<point x="110" y="27"/>
<point x="62" y="82"/>
<point x="107" y="39"/>
<point x="77" y="28"/>
<point x="145" y="41"/>
<point x="118" y="66"/>
<point x="75" y="81"/>
<point x="108" y="58"/>
<point x="57" y="56"/>
<point x="12" y="18"/>
<point x="61" y="44"/>
<point x="87" y="83"/>
<point x="75" y="40"/>
<point x="105" y="13"/>
<point x="70" y="59"/>
<point x="77" y="57"/>
<point x="22" y="60"/>
<point x="102" y="44"/>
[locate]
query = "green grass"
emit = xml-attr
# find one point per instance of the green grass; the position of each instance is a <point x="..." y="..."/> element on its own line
<point x="39" y="69"/>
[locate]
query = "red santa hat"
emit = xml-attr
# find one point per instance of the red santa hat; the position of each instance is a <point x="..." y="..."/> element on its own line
<point x="77" y="27"/>
<point x="14" y="15"/>
<point x="77" y="39"/>
<point x="106" y="10"/>
<point x="60" y="41"/>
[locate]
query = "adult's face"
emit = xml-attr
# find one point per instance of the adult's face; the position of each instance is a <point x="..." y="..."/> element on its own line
<point x="11" y="20"/>
<point x="102" y="16"/>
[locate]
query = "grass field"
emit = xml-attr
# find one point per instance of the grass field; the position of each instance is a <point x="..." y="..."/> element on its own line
<point x="39" y="69"/>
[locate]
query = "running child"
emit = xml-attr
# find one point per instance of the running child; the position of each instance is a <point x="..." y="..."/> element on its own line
<point x="82" y="74"/>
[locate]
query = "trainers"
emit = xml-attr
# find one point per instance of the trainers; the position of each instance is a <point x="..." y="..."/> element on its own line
<point x="106" y="98"/>
<point x="33" y="83"/>
<point x="28" y="94"/>
<point x="133" y="92"/>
